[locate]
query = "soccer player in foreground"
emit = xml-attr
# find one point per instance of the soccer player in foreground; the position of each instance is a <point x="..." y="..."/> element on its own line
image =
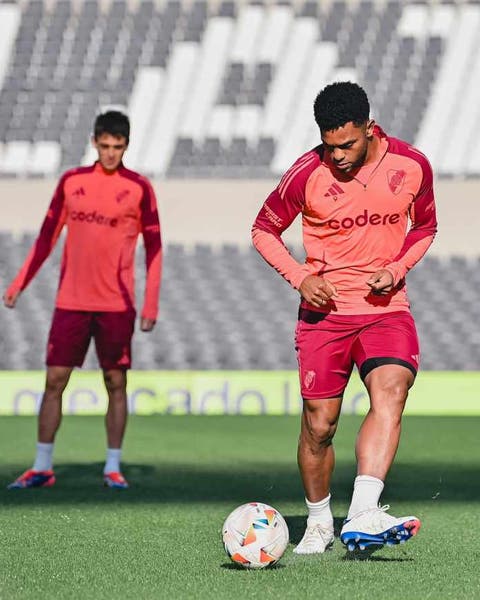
<point x="356" y="193"/>
<point x="104" y="207"/>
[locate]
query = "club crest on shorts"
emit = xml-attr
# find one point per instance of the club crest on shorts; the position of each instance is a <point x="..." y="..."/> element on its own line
<point x="309" y="380"/>
<point x="396" y="179"/>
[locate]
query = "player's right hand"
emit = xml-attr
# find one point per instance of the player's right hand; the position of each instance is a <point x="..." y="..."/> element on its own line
<point x="317" y="290"/>
<point x="147" y="324"/>
<point x="10" y="298"/>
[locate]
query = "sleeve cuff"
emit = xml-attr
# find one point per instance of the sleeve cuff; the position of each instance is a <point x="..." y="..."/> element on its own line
<point x="13" y="289"/>
<point x="397" y="270"/>
<point x="297" y="277"/>
<point x="145" y="314"/>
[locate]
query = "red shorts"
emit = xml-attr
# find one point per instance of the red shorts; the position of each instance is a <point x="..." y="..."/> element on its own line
<point x="329" y="345"/>
<point x="72" y="330"/>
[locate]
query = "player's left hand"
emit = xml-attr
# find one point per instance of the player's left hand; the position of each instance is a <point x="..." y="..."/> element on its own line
<point x="10" y="298"/>
<point x="381" y="282"/>
<point x="147" y="324"/>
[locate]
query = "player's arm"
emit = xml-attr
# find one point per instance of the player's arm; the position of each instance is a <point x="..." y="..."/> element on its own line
<point x="277" y="213"/>
<point x="418" y="239"/>
<point x="275" y="216"/>
<point x="44" y="244"/>
<point x="150" y="225"/>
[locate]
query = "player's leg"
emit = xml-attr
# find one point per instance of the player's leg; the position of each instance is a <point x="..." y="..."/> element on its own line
<point x="388" y="379"/>
<point x="113" y="335"/>
<point x="67" y="346"/>
<point x="115" y="423"/>
<point x="50" y="415"/>
<point x="316" y="460"/>
<point x="116" y="416"/>
<point x="324" y="368"/>
<point x="49" y="418"/>
<point x="379" y="435"/>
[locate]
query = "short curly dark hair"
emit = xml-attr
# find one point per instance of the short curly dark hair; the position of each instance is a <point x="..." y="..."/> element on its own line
<point x="339" y="103"/>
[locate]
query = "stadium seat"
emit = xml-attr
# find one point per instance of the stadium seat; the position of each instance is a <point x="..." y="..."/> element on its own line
<point x="221" y="324"/>
<point x="61" y="61"/>
<point x="45" y="158"/>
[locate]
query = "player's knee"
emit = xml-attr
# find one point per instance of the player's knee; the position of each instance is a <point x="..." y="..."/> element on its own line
<point x="56" y="382"/>
<point x="115" y="381"/>
<point x="396" y="390"/>
<point x="388" y="400"/>
<point x="321" y="431"/>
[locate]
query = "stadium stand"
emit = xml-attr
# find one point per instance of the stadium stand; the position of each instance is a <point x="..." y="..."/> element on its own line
<point x="223" y="88"/>
<point x="217" y="323"/>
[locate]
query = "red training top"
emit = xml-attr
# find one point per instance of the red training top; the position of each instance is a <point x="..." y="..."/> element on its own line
<point x="104" y="213"/>
<point x="352" y="226"/>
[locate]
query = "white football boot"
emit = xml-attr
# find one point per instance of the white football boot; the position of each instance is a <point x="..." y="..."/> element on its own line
<point x="317" y="538"/>
<point x="375" y="527"/>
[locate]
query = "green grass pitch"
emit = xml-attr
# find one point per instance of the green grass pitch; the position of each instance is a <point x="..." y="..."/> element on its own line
<point x="162" y="537"/>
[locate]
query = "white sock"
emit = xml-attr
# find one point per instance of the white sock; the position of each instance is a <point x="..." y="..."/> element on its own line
<point x="319" y="512"/>
<point x="366" y="494"/>
<point x="43" y="458"/>
<point x="112" y="464"/>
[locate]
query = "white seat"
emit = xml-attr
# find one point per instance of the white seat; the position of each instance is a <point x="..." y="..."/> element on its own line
<point x="15" y="158"/>
<point x="45" y="158"/>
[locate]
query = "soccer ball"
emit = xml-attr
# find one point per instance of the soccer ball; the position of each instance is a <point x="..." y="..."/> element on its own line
<point x="255" y="535"/>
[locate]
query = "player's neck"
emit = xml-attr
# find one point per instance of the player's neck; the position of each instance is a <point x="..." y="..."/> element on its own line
<point x="106" y="171"/>
<point x="376" y="150"/>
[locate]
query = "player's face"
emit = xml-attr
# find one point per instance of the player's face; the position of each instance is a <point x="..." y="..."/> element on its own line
<point x="348" y="145"/>
<point x="110" y="150"/>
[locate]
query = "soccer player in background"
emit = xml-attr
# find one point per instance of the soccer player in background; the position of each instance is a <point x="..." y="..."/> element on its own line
<point x="104" y="208"/>
<point x="356" y="192"/>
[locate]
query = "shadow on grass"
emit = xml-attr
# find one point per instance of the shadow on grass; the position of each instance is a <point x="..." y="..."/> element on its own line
<point x="230" y="566"/>
<point x="265" y="482"/>
<point x="368" y="555"/>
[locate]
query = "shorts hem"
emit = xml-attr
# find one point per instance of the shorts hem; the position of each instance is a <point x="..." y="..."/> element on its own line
<point x="372" y="363"/>
<point x="323" y="396"/>
<point x="57" y="364"/>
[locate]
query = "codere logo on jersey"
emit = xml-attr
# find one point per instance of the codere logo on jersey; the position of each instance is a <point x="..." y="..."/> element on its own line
<point x="93" y="217"/>
<point x="363" y="219"/>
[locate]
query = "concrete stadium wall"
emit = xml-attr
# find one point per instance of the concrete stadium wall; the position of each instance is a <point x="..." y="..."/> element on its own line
<point x="222" y="211"/>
